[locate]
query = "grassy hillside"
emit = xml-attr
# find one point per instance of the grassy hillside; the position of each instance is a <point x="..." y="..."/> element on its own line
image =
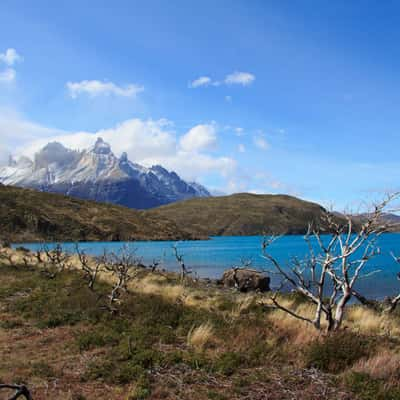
<point x="242" y="214"/>
<point x="29" y="215"/>
<point x="183" y="342"/>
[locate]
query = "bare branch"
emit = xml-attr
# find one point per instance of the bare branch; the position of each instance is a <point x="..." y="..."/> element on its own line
<point x="20" y="390"/>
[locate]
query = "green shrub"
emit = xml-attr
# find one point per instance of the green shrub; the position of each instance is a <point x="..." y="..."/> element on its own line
<point x="10" y="324"/>
<point x="142" y="389"/>
<point x="99" y="369"/>
<point x="113" y="372"/>
<point x="368" y="388"/>
<point x="214" y="395"/>
<point x="96" y="338"/>
<point x="337" y="351"/>
<point x="229" y="362"/>
<point x="42" y="369"/>
<point x="121" y="371"/>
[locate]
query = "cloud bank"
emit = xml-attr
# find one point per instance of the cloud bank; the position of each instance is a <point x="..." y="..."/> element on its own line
<point x="147" y="142"/>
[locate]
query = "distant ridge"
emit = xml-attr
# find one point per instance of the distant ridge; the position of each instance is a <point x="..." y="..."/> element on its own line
<point x="97" y="174"/>
<point x="242" y="214"/>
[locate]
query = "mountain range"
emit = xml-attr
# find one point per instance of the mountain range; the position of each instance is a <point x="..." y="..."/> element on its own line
<point x="98" y="174"/>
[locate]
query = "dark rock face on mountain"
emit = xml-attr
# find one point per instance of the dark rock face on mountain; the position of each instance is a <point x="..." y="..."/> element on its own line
<point x="97" y="174"/>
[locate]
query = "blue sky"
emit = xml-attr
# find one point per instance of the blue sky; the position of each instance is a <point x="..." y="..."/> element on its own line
<point x="298" y="97"/>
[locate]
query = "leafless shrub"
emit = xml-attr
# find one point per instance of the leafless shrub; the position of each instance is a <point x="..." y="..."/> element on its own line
<point x="328" y="276"/>
<point x="181" y="262"/>
<point x="38" y="254"/>
<point x="58" y="257"/>
<point x="124" y="268"/>
<point x="54" y="260"/>
<point x="90" y="266"/>
<point x="395" y="300"/>
<point x="154" y="265"/>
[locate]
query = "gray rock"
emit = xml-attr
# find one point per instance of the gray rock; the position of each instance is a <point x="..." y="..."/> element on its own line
<point x="246" y="280"/>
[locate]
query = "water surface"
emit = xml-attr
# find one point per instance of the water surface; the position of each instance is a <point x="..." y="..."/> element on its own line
<point x="209" y="258"/>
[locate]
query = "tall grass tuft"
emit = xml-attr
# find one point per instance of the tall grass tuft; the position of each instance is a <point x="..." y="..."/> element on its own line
<point x="198" y="337"/>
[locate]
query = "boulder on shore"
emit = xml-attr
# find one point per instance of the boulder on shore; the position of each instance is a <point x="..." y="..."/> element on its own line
<point x="245" y="280"/>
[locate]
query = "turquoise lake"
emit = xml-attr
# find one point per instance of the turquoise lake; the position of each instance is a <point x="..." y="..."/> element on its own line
<point x="209" y="258"/>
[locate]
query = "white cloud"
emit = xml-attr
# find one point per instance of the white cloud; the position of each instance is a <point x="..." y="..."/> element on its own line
<point x="192" y="166"/>
<point x="200" y="137"/>
<point x="240" y="78"/>
<point x="239" y="131"/>
<point x="261" y="143"/>
<point x="241" y="148"/>
<point x="96" y="88"/>
<point x="10" y="57"/>
<point x="147" y="142"/>
<point x="8" y="75"/>
<point x="201" y="81"/>
<point x="140" y="139"/>
<point x="15" y="130"/>
<point x="235" y="78"/>
<point x="228" y="99"/>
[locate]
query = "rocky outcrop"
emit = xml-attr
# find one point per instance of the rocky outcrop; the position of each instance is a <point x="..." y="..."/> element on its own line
<point x="245" y="280"/>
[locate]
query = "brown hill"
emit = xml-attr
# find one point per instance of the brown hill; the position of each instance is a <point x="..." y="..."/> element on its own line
<point x="242" y="214"/>
<point x="29" y="215"/>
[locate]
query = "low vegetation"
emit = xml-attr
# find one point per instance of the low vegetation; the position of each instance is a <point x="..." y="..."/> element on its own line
<point x="162" y="338"/>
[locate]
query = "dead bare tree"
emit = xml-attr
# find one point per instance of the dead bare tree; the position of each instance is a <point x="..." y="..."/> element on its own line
<point x="327" y="277"/>
<point x="38" y="255"/>
<point x="56" y="260"/>
<point x="124" y="268"/>
<point x="58" y="257"/>
<point x="395" y="300"/>
<point x="181" y="262"/>
<point x="20" y="390"/>
<point x="91" y="266"/>
<point x="154" y="265"/>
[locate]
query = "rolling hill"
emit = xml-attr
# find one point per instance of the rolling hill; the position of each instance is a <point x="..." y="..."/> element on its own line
<point x="30" y="215"/>
<point x="242" y="214"/>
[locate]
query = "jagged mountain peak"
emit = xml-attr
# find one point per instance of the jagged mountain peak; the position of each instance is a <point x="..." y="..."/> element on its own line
<point x="98" y="174"/>
<point x="101" y="147"/>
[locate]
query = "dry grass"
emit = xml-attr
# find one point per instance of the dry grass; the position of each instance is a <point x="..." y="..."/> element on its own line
<point x="300" y="332"/>
<point x="198" y="337"/>
<point x="367" y="321"/>
<point x="242" y="304"/>
<point x="153" y="284"/>
<point x="384" y="365"/>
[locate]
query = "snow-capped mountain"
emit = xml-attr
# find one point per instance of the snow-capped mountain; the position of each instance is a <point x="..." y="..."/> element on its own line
<point x="97" y="174"/>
